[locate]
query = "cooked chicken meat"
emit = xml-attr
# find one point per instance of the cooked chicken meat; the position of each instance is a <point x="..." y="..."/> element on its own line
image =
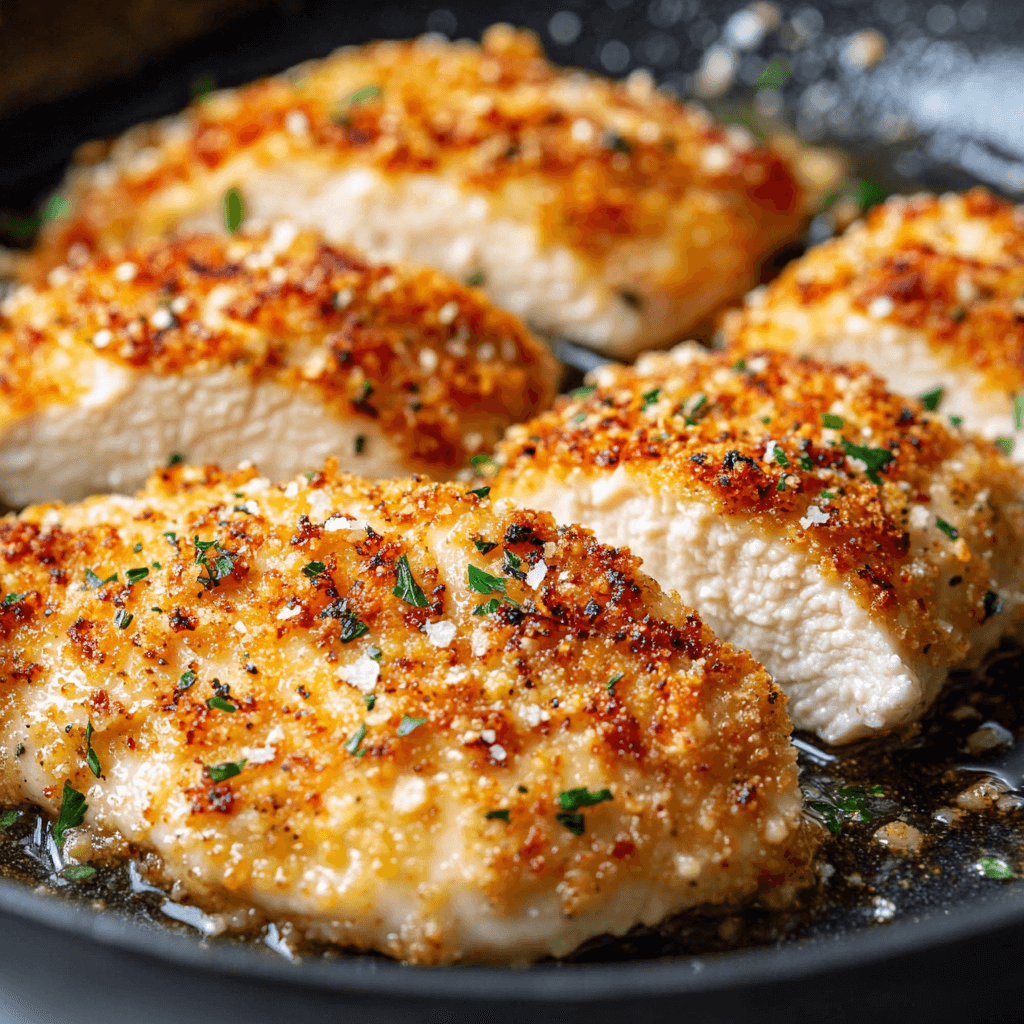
<point x="402" y="716"/>
<point x="927" y="291"/>
<point x="604" y="212"/>
<point x="856" y="545"/>
<point x="276" y="348"/>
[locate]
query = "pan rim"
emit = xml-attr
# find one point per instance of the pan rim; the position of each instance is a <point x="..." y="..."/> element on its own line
<point x="356" y="975"/>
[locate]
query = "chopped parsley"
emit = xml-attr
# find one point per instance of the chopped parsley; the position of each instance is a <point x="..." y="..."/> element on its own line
<point x="219" y="567"/>
<point x="137" y="548"/>
<point x="483" y="582"/>
<point x="406" y="587"/>
<point x="481" y="459"/>
<point x="234" y="211"/>
<point x="832" y="421"/>
<point x="950" y="531"/>
<point x="72" y="813"/>
<point x="475" y="280"/>
<point x="481" y="492"/>
<point x="488" y="607"/>
<point x="573" y="822"/>
<point x="135" y="575"/>
<point x="123" y="618"/>
<point x="92" y="581"/>
<point x="781" y="485"/>
<point x="10" y="599"/>
<point x="650" y="398"/>
<point x="829" y="495"/>
<point x="370" y="700"/>
<point x="782" y="458"/>
<point x="367" y="94"/>
<point x="574" y="799"/>
<point x="187" y="679"/>
<point x="584" y="392"/>
<point x="228" y="770"/>
<point x="173" y="461"/>
<point x="77" y="872"/>
<point x="353" y="744"/>
<point x="617" y="678"/>
<point x="172" y="538"/>
<point x="931" y="399"/>
<point x="375" y="652"/>
<point x="956" y="421"/>
<point x="313" y="569"/>
<point x="805" y="463"/>
<point x="352" y="627"/>
<point x="512" y="565"/>
<point x="500" y="815"/>
<point x="874" y="459"/>
<point x="408" y="724"/>
<point x="1006" y="443"/>
<point x="1018" y="411"/>
<point x="359" y="444"/>
<point x="8" y="818"/>
<point x="220" y="704"/>
<point x="484" y="546"/>
<point x="91" y="758"/>
<point x="995" y="867"/>
<point x="849" y="800"/>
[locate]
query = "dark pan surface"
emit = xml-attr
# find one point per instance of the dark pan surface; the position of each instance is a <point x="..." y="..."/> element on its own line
<point x="942" y="109"/>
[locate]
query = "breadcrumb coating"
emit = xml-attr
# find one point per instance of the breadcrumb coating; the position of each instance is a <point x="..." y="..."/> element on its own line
<point x="426" y="361"/>
<point x="402" y="716"/>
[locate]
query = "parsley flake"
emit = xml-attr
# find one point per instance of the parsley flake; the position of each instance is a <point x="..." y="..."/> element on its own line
<point x="10" y="599"/>
<point x="219" y="567"/>
<point x="584" y="392"/>
<point x="574" y="799"/>
<point x="499" y="815"/>
<point x="352" y="627"/>
<point x="1018" y="411"/>
<point x="617" y="678"/>
<point x="475" y="280"/>
<point x="488" y="607"/>
<point x="484" y="546"/>
<point x="831" y="420"/>
<point x="650" y="398"/>
<point x="234" y="210"/>
<point x="173" y="461"/>
<point x="72" y="813"/>
<point x="123" y="618"/>
<point x="137" y="548"/>
<point x="408" y="724"/>
<point x="78" y="872"/>
<point x="186" y="680"/>
<point x="805" y="463"/>
<point x="931" y="399"/>
<point x="353" y="744"/>
<point x="481" y="459"/>
<point x="1005" y="443"/>
<point x="8" y="818"/>
<point x="220" y="704"/>
<point x="573" y="822"/>
<point x="483" y="582"/>
<point x="370" y="700"/>
<point x="829" y="495"/>
<point x="375" y="652"/>
<point x="313" y="569"/>
<point x="92" y="581"/>
<point x="406" y="587"/>
<point x="995" y="867"/>
<point x="480" y="492"/>
<point x="367" y="94"/>
<point x="135" y="575"/>
<point x="782" y="458"/>
<point x="91" y="758"/>
<point x="228" y="770"/>
<point x="874" y="459"/>
<point x="948" y="529"/>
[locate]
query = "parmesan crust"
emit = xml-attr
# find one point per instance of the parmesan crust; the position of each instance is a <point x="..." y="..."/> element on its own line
<point x="897" y="542"/>
<point x="642" y="765"/>
<point x="602" y="211"/>
<point x="927" y="290"/>
<point x="276" y="345"/>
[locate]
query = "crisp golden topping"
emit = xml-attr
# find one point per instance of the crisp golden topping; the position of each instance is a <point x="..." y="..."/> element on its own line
<point x="428" y="361"/>
<point x="951" y="268"/>
<point x="822" y="454"/>
<point x="616" y="162"/>
<point x="296" y="692"/>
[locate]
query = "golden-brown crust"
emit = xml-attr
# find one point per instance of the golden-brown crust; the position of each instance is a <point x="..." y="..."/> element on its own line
<point x="952" y="266"/>
<point x="748" y="436"/>
<point x="691" y="729"/>
<point x="427" y="360"/>
<point x="615" y="159"/>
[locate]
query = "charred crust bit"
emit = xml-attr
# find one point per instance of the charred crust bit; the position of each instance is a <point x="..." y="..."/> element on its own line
<point x="180" y="620"/>
<point x="84" y="640"/>
<point x="307" y="530"/>
<point x="206" y="799"/>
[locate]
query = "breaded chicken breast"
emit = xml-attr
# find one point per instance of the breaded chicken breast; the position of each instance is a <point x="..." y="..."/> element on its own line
<point x="856" y="545"/>
<point x="604" y="212"/>
<point x="402" y="716"/>
<point x="928" y="291"/>
<point x="277" y="348"/>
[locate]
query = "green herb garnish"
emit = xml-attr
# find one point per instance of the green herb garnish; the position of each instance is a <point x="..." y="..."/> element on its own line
<point x="228" y="770"/>
<point x="8" y="818"/>
<point x="234" y="210"/>
<point x="313" y="569"/>
<point x="220" y="704"/>
<point x="406" y="587"/>
<point x="77" y="872"/>
<point x="480" y="492"/>
<point x="364" y="95"/>
<point x="931" y="399"/>
<point x="173" y="461"/>
<point x="10" y="599"/>
<point x="949" y="530"/>
<point x="650" y="398"/>
<point x="186" y="680"/>
<point x="610" y="685"/>
<point x="1018" y="411"/>
<point x="584" y="392"/>
<point x="774" y="75"/>
<point x="72" y="813"/>
<point x="475" y="280"/>
<point x="219" y="567"/>
<point x="483" y="582"/>
<point x="573" y="822"/>
<point x="487" y="607"/>
<point x="481" y="459"/>
<point x="135" y="575"/>
<point x="1005" y="443"/>
<point x="874" y="459"/>
<point x="353" y="744"/>
<point x="499" y="815"/>
<point x="573" y="799"/>
<point x="408" y="724"/>
<point x="91" y="758"/>
<point x="782" y="458"/>
<point x="352" y="627"/>
<point x="370" y="700"/>
<point x="92" y="581"/>
<point x="123" y="618"/>
<point x="484" y="546"/>
<point x="995" y="867"/>
<point x="831" y="420"/>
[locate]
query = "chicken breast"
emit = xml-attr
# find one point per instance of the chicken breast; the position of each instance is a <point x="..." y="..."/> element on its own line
<point x="604" y="212"/>
<point x="854" y="544"/>
<point x="400" y="716"/>
<point x="927" y="291"/>
<point x="276" y="348"/>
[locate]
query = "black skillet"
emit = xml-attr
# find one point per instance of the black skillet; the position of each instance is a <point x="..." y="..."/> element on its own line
<point x="943" y="109"/>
